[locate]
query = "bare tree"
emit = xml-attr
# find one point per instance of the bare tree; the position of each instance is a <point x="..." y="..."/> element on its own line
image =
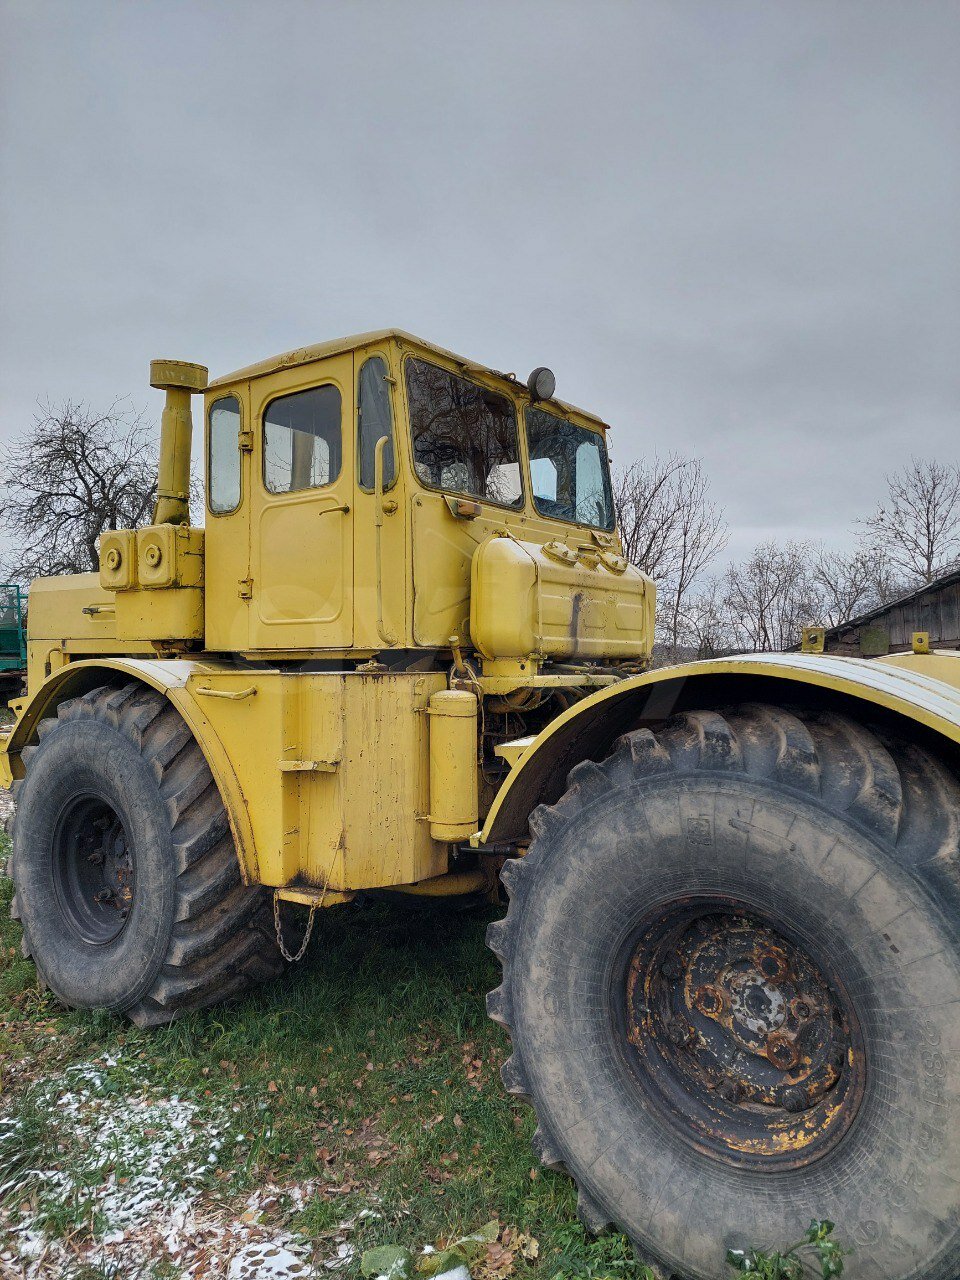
<point x="72" y="475"/>
<point x="770" y="597"/>
<point x="708" y="626"/>
<point x="846" y="586"/>
<point x="670" y="529"/>
<point x="918" y="527"/>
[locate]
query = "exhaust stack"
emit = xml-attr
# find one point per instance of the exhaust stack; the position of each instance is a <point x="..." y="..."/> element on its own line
<point x="180" y="380"/>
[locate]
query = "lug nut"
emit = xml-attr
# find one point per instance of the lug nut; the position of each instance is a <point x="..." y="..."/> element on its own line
<point x="782" y="1051"/>
<point x="730" y="1090"/>
<point x="679" y="1032"/>
<point x="773" y="966"/>
<point x="708" y="1000"/>
<point x="794" y="1100"/>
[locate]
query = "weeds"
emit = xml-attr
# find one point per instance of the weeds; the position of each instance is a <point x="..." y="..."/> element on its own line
<point x="584" y="1257"/>
<point x="816" y="1253"/>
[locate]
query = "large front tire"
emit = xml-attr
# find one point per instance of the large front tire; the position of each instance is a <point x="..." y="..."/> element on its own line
<point x="731" y="978"/>
<point x="126" y="879"/>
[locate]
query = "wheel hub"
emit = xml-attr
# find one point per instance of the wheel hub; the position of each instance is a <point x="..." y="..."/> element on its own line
<point x="749" y="1047"/>
<point x="93" y="869"/>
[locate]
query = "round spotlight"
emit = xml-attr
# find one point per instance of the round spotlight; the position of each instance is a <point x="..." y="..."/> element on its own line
<point x="541" y="384"/>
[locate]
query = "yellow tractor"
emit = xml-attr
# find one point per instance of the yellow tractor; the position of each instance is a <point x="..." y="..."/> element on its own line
<point x="405" y="653"/>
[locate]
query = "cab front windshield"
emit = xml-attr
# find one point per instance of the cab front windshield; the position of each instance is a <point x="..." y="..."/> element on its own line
<point x="569" y="470"/>
<point x="465" y="440"/>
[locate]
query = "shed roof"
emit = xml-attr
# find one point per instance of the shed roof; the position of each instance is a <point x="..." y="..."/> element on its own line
<point x="938" y="584"/>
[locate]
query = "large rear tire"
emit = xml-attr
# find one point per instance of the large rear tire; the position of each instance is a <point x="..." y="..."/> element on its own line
<point x="731" y="978"/>
<point x="126" y="879"/>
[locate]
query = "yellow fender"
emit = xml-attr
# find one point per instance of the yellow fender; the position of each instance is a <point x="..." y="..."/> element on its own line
<point x="921" y="691"/>
<point x="167" y="676"/>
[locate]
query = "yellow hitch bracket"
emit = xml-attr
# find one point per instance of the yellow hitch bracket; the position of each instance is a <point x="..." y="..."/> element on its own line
<point x="512" y="751"/>
<point x="921" y="642"/>
<point x="813" y="641"/>
<point x="309" y="766"/>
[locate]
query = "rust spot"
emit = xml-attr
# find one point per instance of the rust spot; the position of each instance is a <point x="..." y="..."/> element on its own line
<point x="782" y="1051"/>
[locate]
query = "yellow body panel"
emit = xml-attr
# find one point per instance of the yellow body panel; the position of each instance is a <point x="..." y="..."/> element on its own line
<point x="333" y="770"/>
<point x="943" y="665"/>
<point x="160" y="615"/>
<point x="71" y="618"/>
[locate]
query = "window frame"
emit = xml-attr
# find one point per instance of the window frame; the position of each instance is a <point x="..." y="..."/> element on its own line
<point x="543" y="515"/>
<point x="230" y="395"/>
<point x="286" y="395"/>
<point x="394" y="434"/>
<point x="520" y="506"/>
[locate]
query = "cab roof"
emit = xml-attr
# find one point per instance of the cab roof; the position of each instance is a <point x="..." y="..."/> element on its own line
<point x="337" y="346"/>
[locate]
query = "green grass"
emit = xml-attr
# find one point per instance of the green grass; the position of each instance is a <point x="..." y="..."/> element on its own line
<point x="370" y="1069"/>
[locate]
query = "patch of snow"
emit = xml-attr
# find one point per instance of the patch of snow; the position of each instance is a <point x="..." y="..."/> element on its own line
<point x="267" y="1261"/>
<point x="145" y="1166"/>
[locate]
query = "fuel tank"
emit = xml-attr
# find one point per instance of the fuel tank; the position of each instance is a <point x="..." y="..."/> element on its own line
<point x="555" y="601"/>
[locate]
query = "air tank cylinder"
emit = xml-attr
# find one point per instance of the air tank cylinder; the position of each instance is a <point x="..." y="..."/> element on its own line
<point x="454" y="784"/>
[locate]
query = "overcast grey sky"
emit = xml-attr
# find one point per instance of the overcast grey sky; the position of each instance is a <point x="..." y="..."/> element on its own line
<point x="730" y="227"/>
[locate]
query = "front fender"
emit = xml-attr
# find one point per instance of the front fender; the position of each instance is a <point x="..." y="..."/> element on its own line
<point x="905" y="688"/>
<point x="168" y="676"/>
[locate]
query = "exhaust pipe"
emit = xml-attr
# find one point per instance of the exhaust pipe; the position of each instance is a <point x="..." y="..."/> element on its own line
<point x="180" y="380"/>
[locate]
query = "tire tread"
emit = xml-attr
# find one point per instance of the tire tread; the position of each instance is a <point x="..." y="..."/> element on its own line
<point x="898" y="792"/>
<point x="222" y="939"/>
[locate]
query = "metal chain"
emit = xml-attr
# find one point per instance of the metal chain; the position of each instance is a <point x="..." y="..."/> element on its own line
<point x="292" y="959"/>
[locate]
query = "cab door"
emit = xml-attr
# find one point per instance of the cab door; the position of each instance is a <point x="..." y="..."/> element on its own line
<point x="301" y="533"/>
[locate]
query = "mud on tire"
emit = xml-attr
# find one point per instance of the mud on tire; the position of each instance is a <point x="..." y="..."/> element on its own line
<point x="731" y="978"/>
<point x="126" y="879"/>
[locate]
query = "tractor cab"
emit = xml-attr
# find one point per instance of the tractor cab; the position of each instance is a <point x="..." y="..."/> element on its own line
<point x="382" y="493"/>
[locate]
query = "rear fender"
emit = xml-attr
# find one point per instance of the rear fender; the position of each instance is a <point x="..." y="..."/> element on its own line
<point x="169" y="677"/>
<point x="905" y="694"/>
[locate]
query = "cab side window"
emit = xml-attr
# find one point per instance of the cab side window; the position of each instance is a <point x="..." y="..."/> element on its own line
<point x="223" y="456"/>
<point x="375" y="420"/>
<point x="302" y="440"/>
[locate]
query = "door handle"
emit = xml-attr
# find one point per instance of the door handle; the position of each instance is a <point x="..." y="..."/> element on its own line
<point x="235" y="695"/>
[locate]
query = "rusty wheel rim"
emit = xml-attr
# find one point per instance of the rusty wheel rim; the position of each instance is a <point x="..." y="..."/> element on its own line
<point x="749" y="1048"/>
